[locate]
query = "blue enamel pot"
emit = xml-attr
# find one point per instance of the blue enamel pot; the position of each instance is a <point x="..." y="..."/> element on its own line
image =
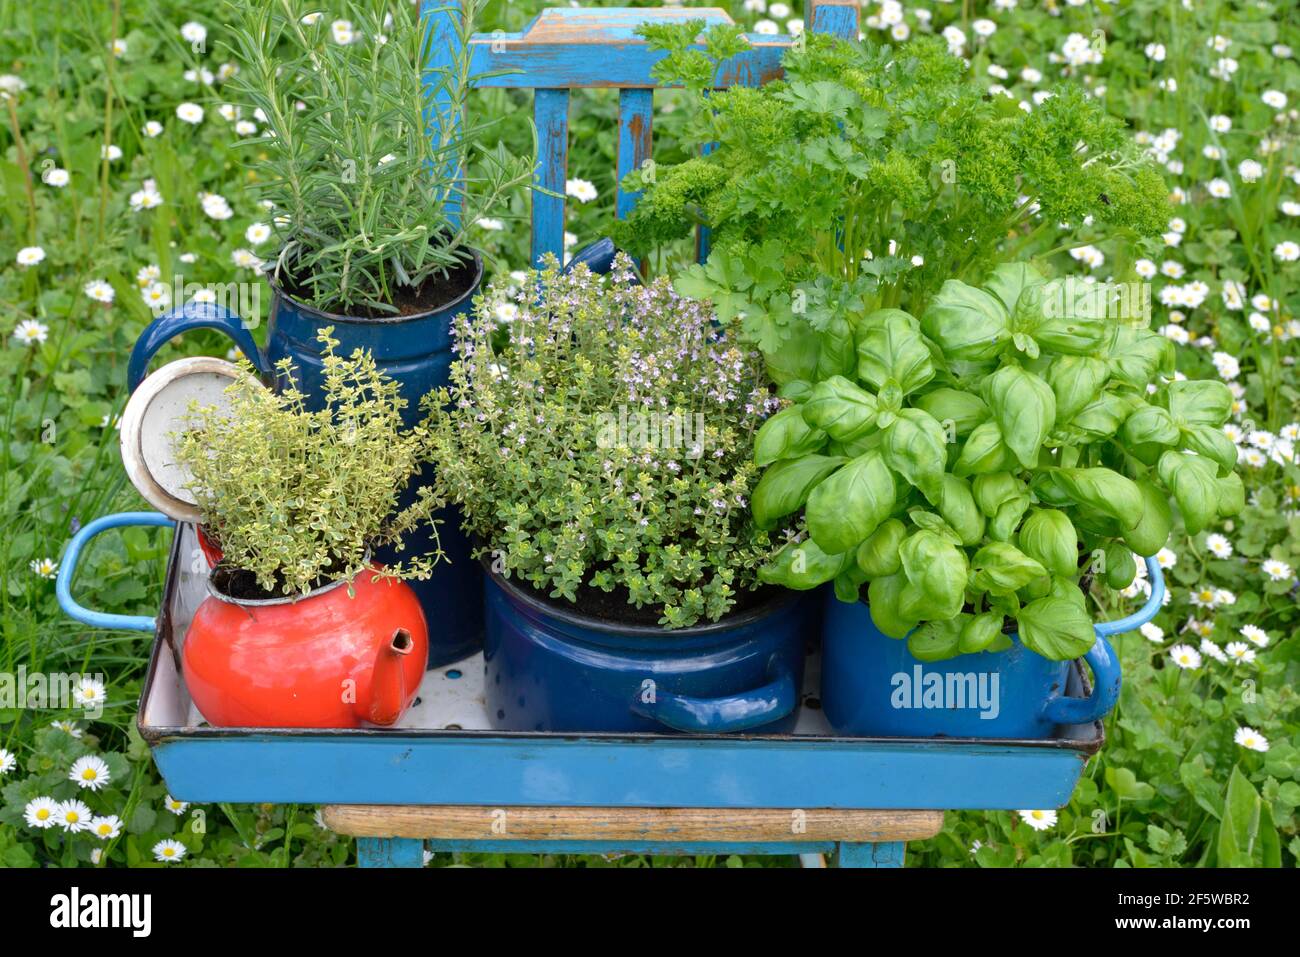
<point x="872" y="686"/>
<point x="550" y="668"/>
<point x="415" y="351"/>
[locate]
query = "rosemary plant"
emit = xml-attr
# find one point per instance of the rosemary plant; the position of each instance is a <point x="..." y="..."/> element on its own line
<point x="368" y="204"/>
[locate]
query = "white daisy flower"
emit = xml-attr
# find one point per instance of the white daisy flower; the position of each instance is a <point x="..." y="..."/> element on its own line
<point x="1240" y="652"/>
<point x="1274" y="98"/>
<point x="490" y="224"/>
<point x="41" y="812"/>
<point x="1250" y="739"/>
<point x="91" y="691"/>
<point x="194" y="32"/>
<point x="580" y="189"/>
<point x="90" y="772"/>
<point x="1167" y="558"/>
<point x="1185" y="656"/>
<point x="99" y="290"/>
<point x="176" y="807"/>
<point x="30" y="256"/>
<point x="1255" y="635"/>
<point x="168" y="851"/>
<point x="1219" y="546"/>
<point x="1277" y="570"/>
<point x="1152" y="632"/>
<point x="190" y="113"/>
<point x="73" y="816"/>
<point x="342" y="32"/>
<point x="56" y="177"/>
<point x="157" y="296"/>
<point x="246" y="128"/>
<point x="1212" y="650"/>
<point x="29" y="332"/>
<point x="67" y="727"/>
<point x="106" y="828"/>
<point x="1038" y="820"/>
<point x="215" y="206"/>
<point x="1249" y="170"/>
<point x="7" y="761"/>
<point x="1286" y="251"/>
<point x="153" y="129"/>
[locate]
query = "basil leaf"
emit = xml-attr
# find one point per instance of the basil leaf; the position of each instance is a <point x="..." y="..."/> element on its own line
<point x="1193" y="481"/>
<point x="966" y="323"/>
<point x="796" y="357"/>
<point x="1078" y="337"/>
<point x="1136" y="356"/>
<point x="1056" y="628"/>
<point x="1150" y="425"/>
<point x="1209" y="440"/>
<point x="1104" y="490"/>
<point x="840" y="409"/>
<point x="802" y="565"/>
<point x="1102" y="418"/>
<point x="915" y="447"/>
<point x="936" y="569"/>
<point x="935" y="641"/>
<point x="786" y="436"/>
<point x="836" y="356"/>
<point x="1024" y="408"/>
<point x="786" y="484"/>
<point x="984" y="452"/>
<point x="1232" y="495"/>
<point x="1120" y="566"/>
<point x="889" y="346"/>
<point x="1009" y="281"/>
<point x="849" y="582"/>
<point x="952" y="408"/>
<point x="1048" y="537"/>
<point x="1076" y="382"/>
<point x="878" y="555"/>
<point x="849" y="505"/>
<point x="1152" y="530"/>
<point x="957" y="506"/>
<point x="1002" y="568"/>
<point x="796" y="390"/>
<point x="979" y="632"/>
<point x="1199" y="401"/>
<point x="882" y="600"/>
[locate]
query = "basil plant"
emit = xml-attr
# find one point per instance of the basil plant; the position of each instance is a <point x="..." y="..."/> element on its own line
<point x="968" y="468"/>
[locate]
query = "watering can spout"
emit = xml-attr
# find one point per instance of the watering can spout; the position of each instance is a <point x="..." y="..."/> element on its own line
<point x="388" y="690"/>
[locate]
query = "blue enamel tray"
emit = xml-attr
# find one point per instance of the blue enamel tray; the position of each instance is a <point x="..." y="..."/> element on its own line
<point x="445" y="751"/>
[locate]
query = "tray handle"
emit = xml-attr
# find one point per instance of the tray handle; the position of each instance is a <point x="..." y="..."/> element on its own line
<point x="738" y="712"/>
<point x="1106" y="672"/>
<point x="68" y="569"/>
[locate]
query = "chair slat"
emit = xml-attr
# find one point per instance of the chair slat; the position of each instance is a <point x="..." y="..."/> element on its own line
<point x="635" y="120"/>
<point x="551" y="114"/>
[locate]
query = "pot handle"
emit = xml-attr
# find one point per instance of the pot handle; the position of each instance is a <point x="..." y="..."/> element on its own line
<point x="1106" y="672"/>
<point x="68" y="569"/>
<point x="192" y="315"/>
<point x="738" y="712"/>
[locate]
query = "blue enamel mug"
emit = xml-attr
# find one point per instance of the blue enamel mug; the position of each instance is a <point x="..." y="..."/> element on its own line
<point x="872" y="686"/>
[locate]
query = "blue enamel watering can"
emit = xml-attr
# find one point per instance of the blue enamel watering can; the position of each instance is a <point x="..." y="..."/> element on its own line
<point x="872" y="686"/>
<point x="413" y="350"/>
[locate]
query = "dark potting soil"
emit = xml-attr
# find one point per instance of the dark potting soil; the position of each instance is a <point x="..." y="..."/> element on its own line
<point x="241" y="585"/>
<point x="434" y="293"/>
<point x="614" y="607"/>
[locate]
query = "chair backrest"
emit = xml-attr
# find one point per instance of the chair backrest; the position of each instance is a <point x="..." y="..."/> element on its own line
<point x="568" y="48"/>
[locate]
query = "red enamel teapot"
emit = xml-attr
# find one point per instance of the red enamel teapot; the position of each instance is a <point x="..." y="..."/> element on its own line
<point x="334" y="658"/>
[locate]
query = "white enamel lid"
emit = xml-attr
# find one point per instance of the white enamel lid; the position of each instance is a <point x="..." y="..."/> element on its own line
<point x="157" y="410"/>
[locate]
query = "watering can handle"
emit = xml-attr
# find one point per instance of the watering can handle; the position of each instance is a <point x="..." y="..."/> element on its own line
<point x="738" y="712"/>
<point x="68" y="569"/>
<point x="1106" y="674"/>
<point x="598" y="257"/>
<point x="192" y="315"/>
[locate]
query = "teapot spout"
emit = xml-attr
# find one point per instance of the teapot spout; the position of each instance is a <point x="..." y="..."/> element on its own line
<point x="388" y="690"/>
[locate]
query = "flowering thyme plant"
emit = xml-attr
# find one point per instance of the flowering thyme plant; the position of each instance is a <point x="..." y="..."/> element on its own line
<point x="299" y="497"/>
<point x="603" y="442"/>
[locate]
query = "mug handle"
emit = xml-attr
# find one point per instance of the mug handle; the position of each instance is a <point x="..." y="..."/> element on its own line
<point x="192" y="315"/>
<point x="1106" y="673"/>
<point x="68" y="569"/>
<point x="739" y="712"/>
